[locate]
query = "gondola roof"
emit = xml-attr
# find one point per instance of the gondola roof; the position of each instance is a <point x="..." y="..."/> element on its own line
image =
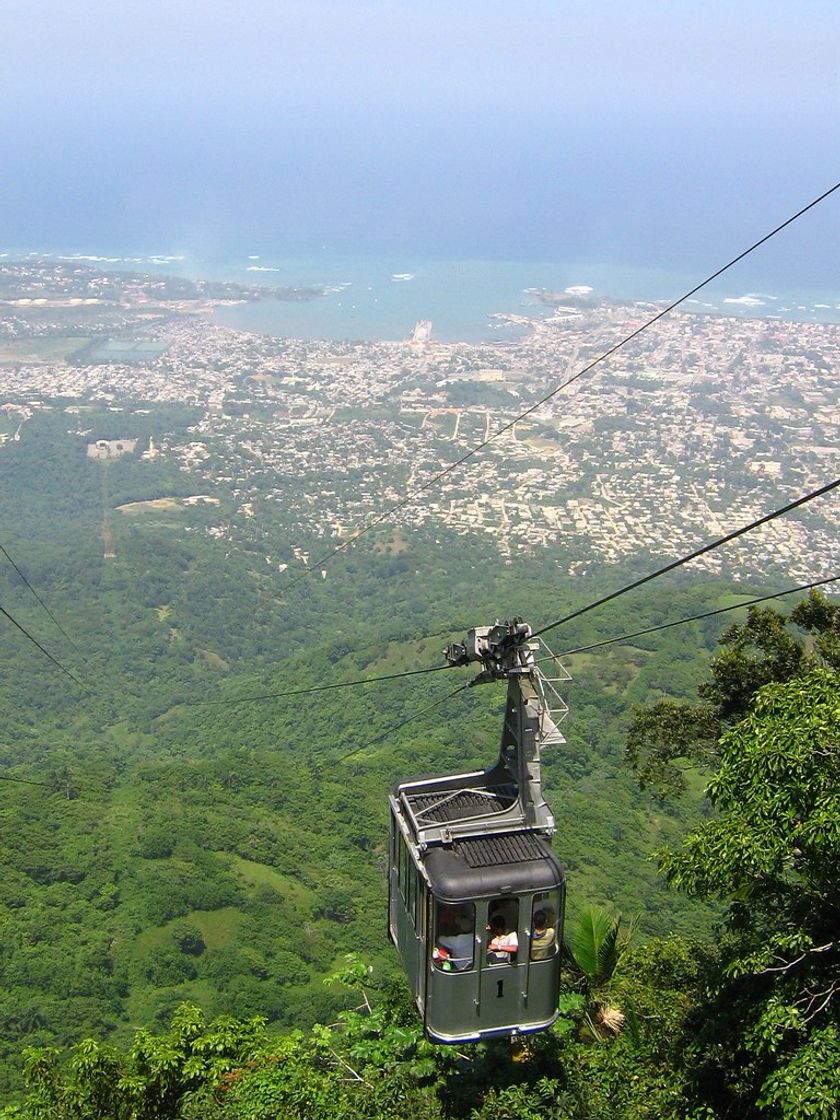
<point x="488" y="865"/>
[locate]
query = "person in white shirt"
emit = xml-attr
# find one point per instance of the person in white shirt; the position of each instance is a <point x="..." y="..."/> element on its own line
<point x="502" y="946"/>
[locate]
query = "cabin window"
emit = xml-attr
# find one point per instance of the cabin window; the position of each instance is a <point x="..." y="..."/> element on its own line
<point x="418" y="914"/>
<point x="403" y="865"/>
<point x="544" y="913"/>
<point x="408" y="880"/>
<point x="502" y="937"/>
<point x="453" y="948"/>
<point x="411" y="900"/>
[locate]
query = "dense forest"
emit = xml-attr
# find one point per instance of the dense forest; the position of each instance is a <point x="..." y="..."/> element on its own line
<point x="194" y="855"/>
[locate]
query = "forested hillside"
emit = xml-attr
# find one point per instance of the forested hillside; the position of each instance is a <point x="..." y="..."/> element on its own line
<point x="168" y="839"/>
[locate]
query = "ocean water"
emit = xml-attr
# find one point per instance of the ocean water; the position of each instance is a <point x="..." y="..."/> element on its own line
<point x="383" y="297"/>
<point x="476" y="206"/>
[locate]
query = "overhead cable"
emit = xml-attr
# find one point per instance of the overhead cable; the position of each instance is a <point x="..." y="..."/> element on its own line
<point x="563" y="653"/>
<point x="45" y="652"/>
<point x="691" y="618"/>
<point x="581" y="649"/>
<point x="52" y="617"/>
<point x="319" y="688"/>
<point x="418" y="490"/>
<point x="691" y="556"/>
<point x="398" y="726"/>
<point x="26" y="781"/>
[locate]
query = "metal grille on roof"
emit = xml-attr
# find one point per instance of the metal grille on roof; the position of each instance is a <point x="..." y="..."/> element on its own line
<point x="491" y="851"/>
<point x="462" y="804"/>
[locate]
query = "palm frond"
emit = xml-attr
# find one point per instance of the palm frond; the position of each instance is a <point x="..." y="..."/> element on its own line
<point x="595" y="943"/>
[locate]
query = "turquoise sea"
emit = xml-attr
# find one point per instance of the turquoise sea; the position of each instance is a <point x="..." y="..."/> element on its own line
<point x="382" y="298"/>
<point x="375" y="298"/>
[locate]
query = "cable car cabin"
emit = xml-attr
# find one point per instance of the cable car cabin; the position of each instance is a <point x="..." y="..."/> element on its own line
<point x="476" y="894"/>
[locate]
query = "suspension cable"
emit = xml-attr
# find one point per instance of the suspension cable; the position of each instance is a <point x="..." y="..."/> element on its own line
<point x="67" y="672"/>
<point x="50" y="614"/>
<point x="320" y="687"/>
<point x="398" y="726"/>
<point x="411" y="495"/>
<point x="691" y="556"/>
<point x="684" y="621"/>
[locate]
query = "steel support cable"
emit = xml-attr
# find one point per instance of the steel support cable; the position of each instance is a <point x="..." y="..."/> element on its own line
<point x="409" y="719"/>
<point x="649" y="630"/>
<point x="583" y="610"/>
<point x="52" y="617"/>
<point x="122" y="692"/>
<point x="319" y="688"/>
<point x="417" y="491"/>
<point x="26" y="781"/>
<point x="45" y="652"/>
<point x="540" y="661"/>
<point x="684" y="621"/>
<point x="691" y="556"/>
<point x="67" y="672"/>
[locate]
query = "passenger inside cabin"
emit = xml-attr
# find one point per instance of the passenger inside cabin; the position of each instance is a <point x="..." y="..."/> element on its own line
<point x="543" y="938"/>
<point x="455" y="937"/>
<point x="503" y="944"/>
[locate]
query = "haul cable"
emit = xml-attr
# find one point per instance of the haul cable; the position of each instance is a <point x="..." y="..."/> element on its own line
<point x="26" y="781"/>
<point x="417" y="491"/>
<point x="583" y="610"/>
<point x="608" y="641"/>
<point x="409" y="719"/>
<point x="321" y="687"/>
<point x="45" y="652"/>
<point x="684" y="621"/>
<point x="691" y="556"/>
<point x="52" y="617"/>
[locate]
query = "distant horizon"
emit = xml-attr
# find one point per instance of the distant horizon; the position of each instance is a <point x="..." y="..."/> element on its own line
<point x="655" y="136"/>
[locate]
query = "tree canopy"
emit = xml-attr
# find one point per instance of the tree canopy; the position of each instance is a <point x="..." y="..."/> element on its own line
<point x="772" y="853"/>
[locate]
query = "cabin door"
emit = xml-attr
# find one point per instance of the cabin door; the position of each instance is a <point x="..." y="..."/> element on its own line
<point x="452" y="973"/>
<point x="502" y="967"/>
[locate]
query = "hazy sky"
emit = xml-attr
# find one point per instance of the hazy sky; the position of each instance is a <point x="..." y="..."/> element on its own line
<point x="497" y="128"/>
<point x="472" y="55"/>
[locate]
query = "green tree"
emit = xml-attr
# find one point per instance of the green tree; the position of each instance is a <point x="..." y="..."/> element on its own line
<point x="665" y="735"/>
<point x="821" y="619"/>
<point x="159" y="1078"/>
<point x="595" y="943"/>
<point x="772" y="853"/>
<point x="188" y="938"/>
<point x="753" y="654"/>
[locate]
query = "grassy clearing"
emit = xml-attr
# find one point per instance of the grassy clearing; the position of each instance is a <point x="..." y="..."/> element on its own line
<point x="396" y="544"/>
<point x="252" y="875"/>
<point x="39" y="351"/>
<point x="218" y="928"/>
<point x="213" y="659"/>
<point x="442" y="423"/>
<point x="735" y="599"/>
<point x="155" y="505"/>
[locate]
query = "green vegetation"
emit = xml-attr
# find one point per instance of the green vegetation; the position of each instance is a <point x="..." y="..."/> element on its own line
<point x="190" y="846"/>
<point x="772" y="853"/>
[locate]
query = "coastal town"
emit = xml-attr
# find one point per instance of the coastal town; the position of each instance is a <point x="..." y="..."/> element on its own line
<point x="701" y="424"/>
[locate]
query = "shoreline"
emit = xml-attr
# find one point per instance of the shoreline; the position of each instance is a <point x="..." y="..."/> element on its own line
<point x="381" y="298"/>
